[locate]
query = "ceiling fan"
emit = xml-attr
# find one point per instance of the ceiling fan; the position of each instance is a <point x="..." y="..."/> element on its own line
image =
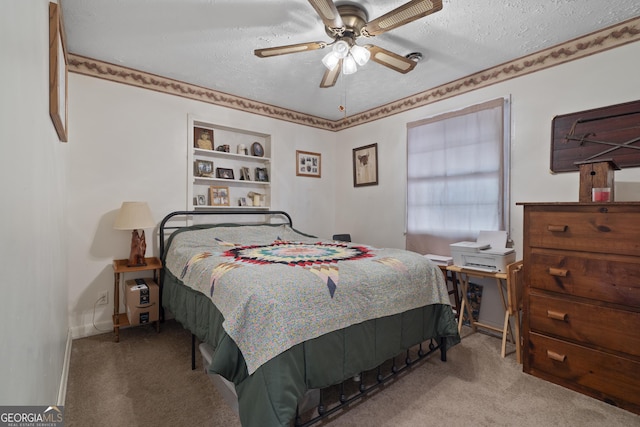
<point x="346" y="22"/>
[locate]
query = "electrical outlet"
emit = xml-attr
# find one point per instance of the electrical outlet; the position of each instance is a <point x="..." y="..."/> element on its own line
<point x="103" y="298"/>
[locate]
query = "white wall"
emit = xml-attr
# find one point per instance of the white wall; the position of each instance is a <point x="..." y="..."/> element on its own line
<point x="131" y="144"/>
<point x="128" y="144"/>
<point x="33" y="163"/>
<point x="607" y="78"/>
<point x="376" y="215"/>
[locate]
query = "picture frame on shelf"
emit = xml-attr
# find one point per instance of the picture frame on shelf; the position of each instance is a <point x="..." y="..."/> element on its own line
<point x="201" y="200"/>
<point x="203" y="168"/>
<point x="308" y="164"/>
<point x="242" y="201"/>
<point x="203" y="138"/>
<point x="244" y="174"/>
<point x="365" y="165"/>
<point x="257" y="149"/>
<point x="262" y="175"/>
<point x="58" y="73"/>
<point x="224" y="173"/>
<point x="218" y="196"/>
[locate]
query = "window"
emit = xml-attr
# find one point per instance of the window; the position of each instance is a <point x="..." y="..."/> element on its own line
<point x="457" y="176"/>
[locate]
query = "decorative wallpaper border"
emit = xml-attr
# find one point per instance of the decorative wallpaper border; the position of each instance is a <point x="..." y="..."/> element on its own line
<point x="608" y="38"/>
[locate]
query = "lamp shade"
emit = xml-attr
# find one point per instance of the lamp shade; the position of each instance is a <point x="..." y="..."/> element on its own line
<point x="133" y="216"/>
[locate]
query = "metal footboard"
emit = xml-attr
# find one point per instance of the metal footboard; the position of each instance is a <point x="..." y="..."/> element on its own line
<point x="381" y="378"/>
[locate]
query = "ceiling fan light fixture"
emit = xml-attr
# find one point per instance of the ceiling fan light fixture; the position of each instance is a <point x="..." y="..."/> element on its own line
<point x="349" y="65"/>
<point x="331" y="60"/>
<point x="360" y="54"/>
<point x="341" y="49"/>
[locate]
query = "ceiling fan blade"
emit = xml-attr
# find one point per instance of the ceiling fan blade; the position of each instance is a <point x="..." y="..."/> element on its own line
<point x="328" y="13"/>
<point x="392" y="60"/>
<point x="292" y="48"/>
<point x="404" y="14"/>
<point x="331" y="76"/>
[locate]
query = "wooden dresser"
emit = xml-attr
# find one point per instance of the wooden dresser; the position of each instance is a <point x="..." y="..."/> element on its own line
<point x="581" y="324"/>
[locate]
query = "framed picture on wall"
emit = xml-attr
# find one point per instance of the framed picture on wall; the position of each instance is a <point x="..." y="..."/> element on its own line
<point x="308" y="164"/>
<point x="58" y="70"/>
<point x="365" y="165"/>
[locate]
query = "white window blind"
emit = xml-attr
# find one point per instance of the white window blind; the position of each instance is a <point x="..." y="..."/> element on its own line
<point x="457" y="176"/>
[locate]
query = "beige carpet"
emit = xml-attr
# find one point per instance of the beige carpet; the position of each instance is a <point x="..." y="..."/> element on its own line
<point x="146" y="380"/>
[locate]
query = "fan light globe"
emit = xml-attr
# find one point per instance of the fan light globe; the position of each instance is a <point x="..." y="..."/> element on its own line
<point x="360" y="54"/>
<point x="349" y="65"/>
<point x="341" y="48"/>
<point x="330" y="60"/>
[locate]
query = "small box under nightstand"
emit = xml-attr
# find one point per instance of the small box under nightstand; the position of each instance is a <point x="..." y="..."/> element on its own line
<point x="142" y="301"/>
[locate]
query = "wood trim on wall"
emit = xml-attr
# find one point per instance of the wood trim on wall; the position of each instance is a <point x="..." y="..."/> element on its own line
<point x="608" y="38"/>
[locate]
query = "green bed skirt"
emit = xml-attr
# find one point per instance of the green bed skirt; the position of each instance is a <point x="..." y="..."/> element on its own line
<point x="269" y="396"/>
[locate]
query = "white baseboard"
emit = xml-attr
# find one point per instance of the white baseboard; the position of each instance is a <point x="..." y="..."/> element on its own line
<point x="64" y="377"/>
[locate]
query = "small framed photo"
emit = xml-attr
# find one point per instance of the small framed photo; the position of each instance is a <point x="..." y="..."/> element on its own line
<point x="201" y="200"/>
<point x="218" y="196"/>
<point x="365" y="165"/>
<point x="308" y="164"/>
<point x="244" y="174"/>
<point x="257" y="149"/>
<point x="242" y="201"/>
<point x="203" y="168"/>
<point x="224" y="173"/>
<point x="262" y="175"/>
<point x="203" y="138"/>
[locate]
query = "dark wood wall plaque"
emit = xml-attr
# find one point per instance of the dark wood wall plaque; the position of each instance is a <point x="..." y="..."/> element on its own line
<point x="607" y="133"/>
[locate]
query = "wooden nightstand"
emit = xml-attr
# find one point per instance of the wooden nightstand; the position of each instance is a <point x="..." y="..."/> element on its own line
<point x="119" y="269"/>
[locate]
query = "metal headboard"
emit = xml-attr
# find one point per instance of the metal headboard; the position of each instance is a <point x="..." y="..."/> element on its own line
<point x="164" y="227"/>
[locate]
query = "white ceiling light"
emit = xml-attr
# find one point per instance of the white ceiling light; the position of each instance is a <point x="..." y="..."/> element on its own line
<point x="360" y="54"/>
<point x="349" y="65"/>
<point x="351" y="56"/>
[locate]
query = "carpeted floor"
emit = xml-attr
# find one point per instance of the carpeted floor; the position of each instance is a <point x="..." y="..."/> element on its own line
<point x="146" y="380"/>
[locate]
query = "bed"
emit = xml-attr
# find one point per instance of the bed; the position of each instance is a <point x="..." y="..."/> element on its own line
<point x="286" y="312"/>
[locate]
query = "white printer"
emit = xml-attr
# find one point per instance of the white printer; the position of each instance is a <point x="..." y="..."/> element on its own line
<point x="488" y="253"/>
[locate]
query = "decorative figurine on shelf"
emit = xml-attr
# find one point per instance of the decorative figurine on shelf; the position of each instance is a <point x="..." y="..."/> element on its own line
<point x="204" y="141"/>
<point x="138" y="249"/>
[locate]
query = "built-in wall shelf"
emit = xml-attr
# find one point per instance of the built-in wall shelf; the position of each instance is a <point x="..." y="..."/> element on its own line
<point x="232" y="171"/>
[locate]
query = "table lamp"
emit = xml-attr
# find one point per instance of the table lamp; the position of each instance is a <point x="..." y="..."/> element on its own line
<point x="135" y="216"/>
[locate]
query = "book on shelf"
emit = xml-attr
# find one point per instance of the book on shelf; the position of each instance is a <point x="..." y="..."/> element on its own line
<point x="440" y="259"/>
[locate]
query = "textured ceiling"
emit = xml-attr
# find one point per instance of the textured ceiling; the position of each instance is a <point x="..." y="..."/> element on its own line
<point x="210" y="43"/>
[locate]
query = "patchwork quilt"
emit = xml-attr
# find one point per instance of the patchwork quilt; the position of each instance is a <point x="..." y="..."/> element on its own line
<point x="277" y="287"/>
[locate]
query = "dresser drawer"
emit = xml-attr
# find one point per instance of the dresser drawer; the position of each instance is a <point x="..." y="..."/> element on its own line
<point x="606" y="278"/>
<point x="594" y="229"/>
<point x="608" y="328"/>
<point x="610" y="378"/>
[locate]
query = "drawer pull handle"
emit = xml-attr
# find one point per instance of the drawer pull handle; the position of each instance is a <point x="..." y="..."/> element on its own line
<point x="561" y="272"/>
<point x="561" y="228"/>
<point x="557" y="315"/>
<point x="556" y="356"/>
